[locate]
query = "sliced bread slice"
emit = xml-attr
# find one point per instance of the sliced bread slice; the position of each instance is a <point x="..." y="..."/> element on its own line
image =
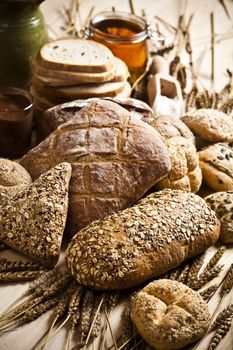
<point x="55" y="77"/>
<point x="78" y="55"/>
<point x="121" y="72"/>
<point x="68" y="93"/>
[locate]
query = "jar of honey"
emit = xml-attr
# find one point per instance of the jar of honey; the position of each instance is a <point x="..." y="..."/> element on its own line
<point x="125" y="35"/>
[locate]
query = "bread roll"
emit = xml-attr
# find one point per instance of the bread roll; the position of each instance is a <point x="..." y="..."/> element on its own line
<point x="185" y="173"/>
<point x="13" y="178"/>
<point x="33" y="221"/>
<point x="210" y="124"/>
<point x="216" y="163"/>
<point x="222" y="204"/>
<point x="169" y="126"/>
<point x="170" y="315"/>
<point x="115" y="159"/>
<point x="142" y="242"/>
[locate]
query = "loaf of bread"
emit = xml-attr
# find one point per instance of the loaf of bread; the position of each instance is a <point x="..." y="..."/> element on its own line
<point x="169" y="315"/>
<point x="13" y="178"/>
<point x="169" y="126"/>
<point x="115" y="159"/>
<point x="63" y="113"/>
<point x="222" y="204"/>
<point x="216" y="162"/>
<point x="185" y="173"/>
<point x="33" y="221"/>
<point x="142" y="242"/>
<point x="210" y="124"/>
<point x="76" y="55"/>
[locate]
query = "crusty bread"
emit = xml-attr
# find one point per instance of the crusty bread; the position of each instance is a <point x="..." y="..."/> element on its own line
<point x="216" y="162"/>
<point x="222" y="204"/>
<point x="60" y="114"/>
<point x="169" y="315"/>
<point x="13" y="178"/>
<point x="185" y="173"/>
<point x="210" y="124"/>
<point x="142" y="242"/>
<point x="115" y="158"/>
<point x="169" y="126"/>
<point x="77" y="55"/>
<point x="33" y="221"/>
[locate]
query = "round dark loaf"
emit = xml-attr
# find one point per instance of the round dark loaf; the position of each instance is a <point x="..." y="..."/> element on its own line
<point x="142" y="242"/>
<point x="115" y="159"/>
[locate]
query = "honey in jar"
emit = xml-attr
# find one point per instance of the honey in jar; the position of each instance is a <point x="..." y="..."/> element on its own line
<point x="125" y="35"/>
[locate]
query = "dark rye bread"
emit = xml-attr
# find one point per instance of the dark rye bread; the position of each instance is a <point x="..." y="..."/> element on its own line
<point x="115" y="159"/>
<point x="142" y="242"/>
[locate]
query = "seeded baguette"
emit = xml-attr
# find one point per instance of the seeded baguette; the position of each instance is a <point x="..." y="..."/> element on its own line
<point x="77" y="55"/>
<point x="142" y="242"/>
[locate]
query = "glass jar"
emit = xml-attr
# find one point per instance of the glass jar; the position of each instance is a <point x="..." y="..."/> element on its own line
<point x="22" y="33"/>
<point x="125" y="35"/>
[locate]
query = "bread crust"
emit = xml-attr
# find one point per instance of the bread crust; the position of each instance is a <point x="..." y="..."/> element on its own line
<point x="115" y="159"/>
<point x="13" y="178"/>
<point x="33" y="221"/>
<point x="210" y="124"/>
<point x="170" y="315"/>
<point x="222" y="204"/>
<point x="185" y="173"/>
<point x="216" y="162"/>
<point x="142" y="242"/>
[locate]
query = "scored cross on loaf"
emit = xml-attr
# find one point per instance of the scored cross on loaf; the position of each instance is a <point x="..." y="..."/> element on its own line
<point x="115" y="159"/>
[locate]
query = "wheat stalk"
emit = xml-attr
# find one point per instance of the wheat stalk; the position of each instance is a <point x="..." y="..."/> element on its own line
<point x="225" y="315"/>
<point x="14" y="266"/>
<point x="110" y="301"/>
<point x="220" y="333"/>
<point x="86" y="312"/>
<point x="206" y="276"/>
<point x="209" y="292"/>
<point x="215" y="259"/>
<point x="194" y="270"/>
<point x="19" y="276"/>
<point x="227" y="282"/>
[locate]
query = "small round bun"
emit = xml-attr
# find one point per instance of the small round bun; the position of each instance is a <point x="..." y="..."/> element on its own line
<point x="13" y="178"/>
<point x="169" y="315"/>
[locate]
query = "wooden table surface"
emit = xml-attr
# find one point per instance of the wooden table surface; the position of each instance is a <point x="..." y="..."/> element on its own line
<point x="25" y="337"/>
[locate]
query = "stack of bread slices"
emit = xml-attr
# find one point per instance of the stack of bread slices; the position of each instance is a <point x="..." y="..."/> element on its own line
<point x="71" y="68"/>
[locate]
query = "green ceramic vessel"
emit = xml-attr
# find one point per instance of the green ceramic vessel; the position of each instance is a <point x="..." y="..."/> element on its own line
<point x="22" y="33"/>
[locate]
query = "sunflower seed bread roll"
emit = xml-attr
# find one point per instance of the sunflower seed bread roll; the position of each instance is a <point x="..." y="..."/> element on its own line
<point x="169" y="315"/>
<point x="142" y="242"/>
